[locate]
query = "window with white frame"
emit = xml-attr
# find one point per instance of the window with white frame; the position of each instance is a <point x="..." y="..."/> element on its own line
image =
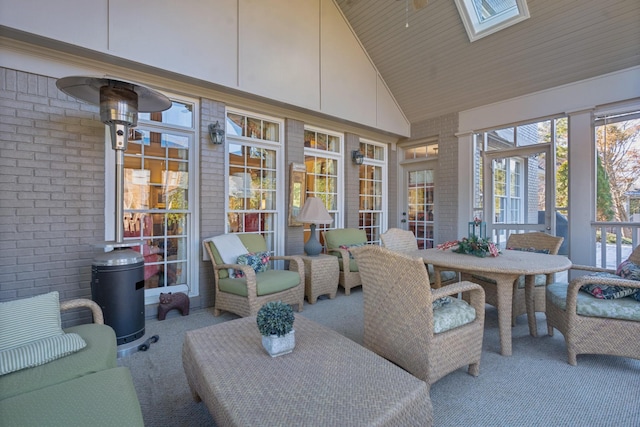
<point x="323" y="163"/>
<point x="507" y="191"/>
<point x="159" y="197"/>
<point x="373" y="195"/>
<point x="254" y="166"/>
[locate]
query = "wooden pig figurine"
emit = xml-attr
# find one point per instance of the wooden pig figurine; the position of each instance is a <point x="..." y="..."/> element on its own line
<point x="170" y="301"/>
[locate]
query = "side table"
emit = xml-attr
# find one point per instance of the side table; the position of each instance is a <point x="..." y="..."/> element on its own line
<point x="321" y="273"/>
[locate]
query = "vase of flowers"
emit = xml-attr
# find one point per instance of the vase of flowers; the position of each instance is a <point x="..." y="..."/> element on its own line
<point x="473" y="245"/>
<point x="275" y="323"/>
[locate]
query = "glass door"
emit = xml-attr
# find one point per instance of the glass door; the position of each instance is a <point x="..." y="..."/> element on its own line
<point x="419" y="216"/>
<point x="520" y="192"/>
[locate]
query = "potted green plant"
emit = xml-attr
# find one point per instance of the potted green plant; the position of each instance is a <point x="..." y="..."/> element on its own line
<point x="275" y="323"/>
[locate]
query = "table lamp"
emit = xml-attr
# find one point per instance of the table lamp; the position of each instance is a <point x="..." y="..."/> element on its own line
<point x="313" y="212"/>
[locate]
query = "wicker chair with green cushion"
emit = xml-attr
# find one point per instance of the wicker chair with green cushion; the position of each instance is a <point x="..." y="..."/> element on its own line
<point x="258" y="285"/>
<point x="339" y="243"/>
<point x="403" y="323"/>
<point x="399" y="240"/>
<point x="598" y="313"/>
<point x="537" y="242"/>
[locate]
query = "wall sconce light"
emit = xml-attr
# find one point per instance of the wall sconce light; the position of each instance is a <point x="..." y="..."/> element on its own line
<point x="357" y="157"/>
<point x="216" y="133"/>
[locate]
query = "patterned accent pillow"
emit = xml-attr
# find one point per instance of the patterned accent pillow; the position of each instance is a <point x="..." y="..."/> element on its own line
<point x="441" y="302"/>
<point x="259" y="261"/>
<point x="348" y="248"/>
<point x="607" y="291"/>
<point x="628" y="270"/>
<point x="538" y="251"/>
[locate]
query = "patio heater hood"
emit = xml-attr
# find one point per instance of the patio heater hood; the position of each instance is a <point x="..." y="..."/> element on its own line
<point x="119" y="101"/>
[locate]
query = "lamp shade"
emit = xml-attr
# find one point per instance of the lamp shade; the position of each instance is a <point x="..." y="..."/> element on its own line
<point x="314" y="212"/>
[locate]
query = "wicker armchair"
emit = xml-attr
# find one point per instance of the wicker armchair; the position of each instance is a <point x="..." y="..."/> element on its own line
<point x="587" y="323"/>
<point x="337" y="243"/>
<point x="399" y="240"/>
<point x="401" y="324"/>
<point x="537" y="241"/>
<point x="244" y="296"/>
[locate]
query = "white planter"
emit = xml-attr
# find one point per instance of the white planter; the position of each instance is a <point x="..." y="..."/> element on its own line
<point x="277" y="346"/>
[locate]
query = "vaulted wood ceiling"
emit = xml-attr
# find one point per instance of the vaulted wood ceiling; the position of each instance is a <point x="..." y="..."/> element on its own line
<point x="432" y="69"/>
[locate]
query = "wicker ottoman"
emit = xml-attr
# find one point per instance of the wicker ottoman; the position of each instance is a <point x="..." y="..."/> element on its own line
<point x="327" y="380"/>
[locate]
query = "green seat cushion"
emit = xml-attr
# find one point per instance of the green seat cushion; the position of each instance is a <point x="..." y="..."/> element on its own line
<point x="452" y="315"/>
<point x="626" y="308"/>
<point x="267" y="282"/>
<point x="253" y="242"/>
<point x="99" y="354"/>
<point x="105" y="398"/>
<point x="344" y="236"/>
<point x="353" y="265"/>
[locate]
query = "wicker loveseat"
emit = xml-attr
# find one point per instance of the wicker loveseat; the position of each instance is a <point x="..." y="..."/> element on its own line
<point x="607" y="324"/>
<point x="84" y="388"/>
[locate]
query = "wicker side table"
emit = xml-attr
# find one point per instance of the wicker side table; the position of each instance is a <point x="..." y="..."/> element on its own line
<point x="321" y="276"/>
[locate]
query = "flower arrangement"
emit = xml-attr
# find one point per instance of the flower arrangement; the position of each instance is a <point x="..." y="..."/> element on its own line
<point x="473" y="245"/>
<point x="275" y="318"/>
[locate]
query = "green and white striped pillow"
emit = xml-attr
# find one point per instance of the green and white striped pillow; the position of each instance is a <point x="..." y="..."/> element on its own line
<point x="39" y="352"/>
<point x="29" y="319"/>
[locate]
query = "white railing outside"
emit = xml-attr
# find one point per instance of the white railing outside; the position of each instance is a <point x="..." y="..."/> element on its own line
<point x="615" y="250"/>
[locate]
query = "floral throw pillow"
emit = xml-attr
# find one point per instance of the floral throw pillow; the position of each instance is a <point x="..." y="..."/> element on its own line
<point x="607" y="291"/>
<point x="348" y="248"/>
<point x="628" y="270"/>
<point x="259" y="261"/>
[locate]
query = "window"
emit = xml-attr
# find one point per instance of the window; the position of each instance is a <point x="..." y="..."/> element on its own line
<point x="421" y="152"/>
<point x="254" y="151"/>
<point x="507" y="183"/>
<point x="158" y="197"/>
<point x="484" y="17"/>
<point x="373" y="179"/>
<point x="323" y="162"/>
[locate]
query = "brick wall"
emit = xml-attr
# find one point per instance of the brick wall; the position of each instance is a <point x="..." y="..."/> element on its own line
<point x="351" y="183"/>
<point x="52" y="189"/>
<point x="293" y="153"/>
<point x="447" y="172"/>
<point x="212" y="199"/>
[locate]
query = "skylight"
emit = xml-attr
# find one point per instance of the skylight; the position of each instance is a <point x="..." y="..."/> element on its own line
<point x="484" y="17"/>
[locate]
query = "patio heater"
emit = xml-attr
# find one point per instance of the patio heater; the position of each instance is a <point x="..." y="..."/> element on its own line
<point x="117" y="276"/>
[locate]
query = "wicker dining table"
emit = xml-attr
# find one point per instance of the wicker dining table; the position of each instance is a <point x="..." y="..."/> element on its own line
<point x="504" y="269"/>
